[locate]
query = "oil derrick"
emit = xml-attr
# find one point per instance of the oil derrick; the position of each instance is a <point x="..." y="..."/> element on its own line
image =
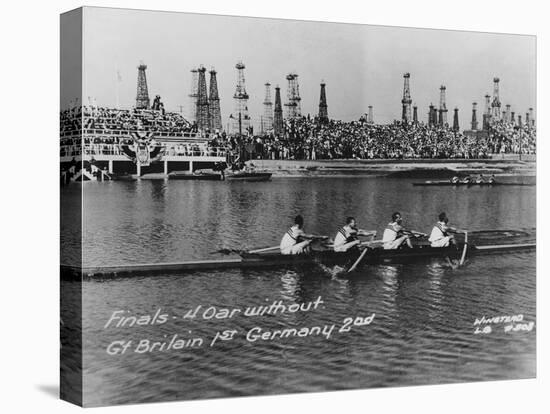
<point x="513" y="117"/>
<point x="267" y="118"/>
<point x="507" y="117"/>
<point x="474" y="116"/>
<point x="432" y="115"/>
<point x="142" y="98"/>
<point x="532" y="117"/>
<point x="527" y="119"/>
<point x="520" y="124"/>
<point x="323" y="107"/>
<point x="487" y="113"/>
<point x="415" y="114"/>
<point x="203" y="113"/>
<point x="456" y="126"/>
<point x="442" y="106"/>
<point x="240" y="118"/>
<point x="193" y="95"/>
<point x="495" y="104"/>
<point x="278" y="121"/>
<point x="406" y="101"/>
<point x="370" y="118"/>
<point x="214" y="103"/>
<point x="293" y="105"/>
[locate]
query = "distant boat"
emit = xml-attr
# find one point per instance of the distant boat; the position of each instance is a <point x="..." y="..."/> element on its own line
<point x="248" y="176"/>
<point x="196" y="175"/>
<point x="469" y="184"/>
<point x="122" y="177"/>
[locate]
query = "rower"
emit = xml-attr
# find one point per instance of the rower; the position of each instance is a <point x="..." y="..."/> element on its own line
<point x="466" y="180"/>
<point x="455" y="179"/>
<point x="492" y="179"/>
<point x="395" y="234"/>
<point x="347" y="236"/>
<point x="440" y="235"/>
<point x="295" y="240"/>
<point x="479" y="179"/>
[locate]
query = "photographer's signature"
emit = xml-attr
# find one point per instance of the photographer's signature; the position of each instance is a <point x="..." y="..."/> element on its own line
<point x="506" y="323"/>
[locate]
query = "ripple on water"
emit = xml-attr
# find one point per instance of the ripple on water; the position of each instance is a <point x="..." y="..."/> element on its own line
<point x="422" y="333"/>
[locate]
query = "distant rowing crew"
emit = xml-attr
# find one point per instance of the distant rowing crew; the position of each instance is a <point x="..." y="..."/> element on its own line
<point x="474" y="179"/>
<point x="297" y="241"/>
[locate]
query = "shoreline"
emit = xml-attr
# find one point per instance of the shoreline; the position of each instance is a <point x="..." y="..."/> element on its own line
<point x="422" y="168"/>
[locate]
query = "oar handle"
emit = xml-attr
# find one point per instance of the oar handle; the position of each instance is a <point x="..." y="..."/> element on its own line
<point x="265" y="249"/>
<point x="463" y="258"/>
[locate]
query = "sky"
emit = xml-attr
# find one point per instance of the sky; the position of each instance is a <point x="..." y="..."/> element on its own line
<point x="361" y="65"/>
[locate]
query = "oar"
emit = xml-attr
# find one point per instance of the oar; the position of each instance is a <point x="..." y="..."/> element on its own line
<point x="352" y="268"/>
<point x="265" y="249"/>
<point x="416" y="233"/>
<point x="463" y="258"/>
<point x="239" y="251"/>
<point x="226" y="251"/>
<point x="372" y="243"/>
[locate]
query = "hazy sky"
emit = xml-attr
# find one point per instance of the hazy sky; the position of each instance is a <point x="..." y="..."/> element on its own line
<point x="361" y="65"/>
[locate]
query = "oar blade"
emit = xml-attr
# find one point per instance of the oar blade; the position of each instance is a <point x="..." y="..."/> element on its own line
<point x="359" y="259"/>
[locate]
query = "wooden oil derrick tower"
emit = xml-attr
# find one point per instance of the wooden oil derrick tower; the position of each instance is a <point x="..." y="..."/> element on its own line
<point x="442" y="106"/>
<point x="240" y="118"/>
<point x="278" y="118"/>
<point x="293" y="103"/>
<point x="456" y="125"/>
<point x="406" y="101"/>
<point x="487" y="113"/>
<point x="142" y="98"/>
<point x="203" y="113"/>
<point x="495" y="104"/>
<point x="214" y="103"/>
<point x="266" y="124"/>
<point x="192" y="115"/>
<point x="474" y="116"/>
<point x="323" y="107"/>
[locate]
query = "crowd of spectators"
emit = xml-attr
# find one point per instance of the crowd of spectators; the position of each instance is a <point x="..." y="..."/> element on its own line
<point x="303" y="138"/>
<point x="306" y="138"/>
<point x="508" y="137"/>
<point x="118" y="121"/>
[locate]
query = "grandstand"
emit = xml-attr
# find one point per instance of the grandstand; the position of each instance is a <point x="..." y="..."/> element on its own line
<point x="99" y="135"/>
<point x="307" y="139"/>
<point x="108" y="138"/>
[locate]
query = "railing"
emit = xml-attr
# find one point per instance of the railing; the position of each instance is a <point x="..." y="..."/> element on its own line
<point x="92" y="133"/>
<point x="181" y="150"/>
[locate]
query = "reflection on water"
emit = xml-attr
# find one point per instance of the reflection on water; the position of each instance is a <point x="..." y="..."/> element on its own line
<point x="423" y="330"/>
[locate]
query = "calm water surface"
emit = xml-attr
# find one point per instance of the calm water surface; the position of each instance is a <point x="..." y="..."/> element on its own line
<point x="422" y="333"/>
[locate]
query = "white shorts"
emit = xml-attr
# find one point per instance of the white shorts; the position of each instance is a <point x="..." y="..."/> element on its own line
<point x="346" y="246"/>
<point x="394" y="244"/>
<point x="297" y="248"/>
<point x="442" y="242"/>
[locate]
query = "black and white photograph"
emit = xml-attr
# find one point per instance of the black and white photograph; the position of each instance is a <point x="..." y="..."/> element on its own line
<point x="261" y="206"/>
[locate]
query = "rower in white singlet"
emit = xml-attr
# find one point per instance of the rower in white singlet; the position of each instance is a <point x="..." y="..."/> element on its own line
<point x="441" y="233"/>
<point x="394" y="235"/>
<point x="295" y="240"/>
<point x="347" y="236"/>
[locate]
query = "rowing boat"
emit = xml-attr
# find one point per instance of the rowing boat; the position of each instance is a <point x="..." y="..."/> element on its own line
<point x="482" y="184"/>
<point x="326" y="257"/>
<point x="197" y="175"/>
<point x="248" y="176"/>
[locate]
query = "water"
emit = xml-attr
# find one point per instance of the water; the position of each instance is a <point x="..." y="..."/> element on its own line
<point x="422" y="332"/>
